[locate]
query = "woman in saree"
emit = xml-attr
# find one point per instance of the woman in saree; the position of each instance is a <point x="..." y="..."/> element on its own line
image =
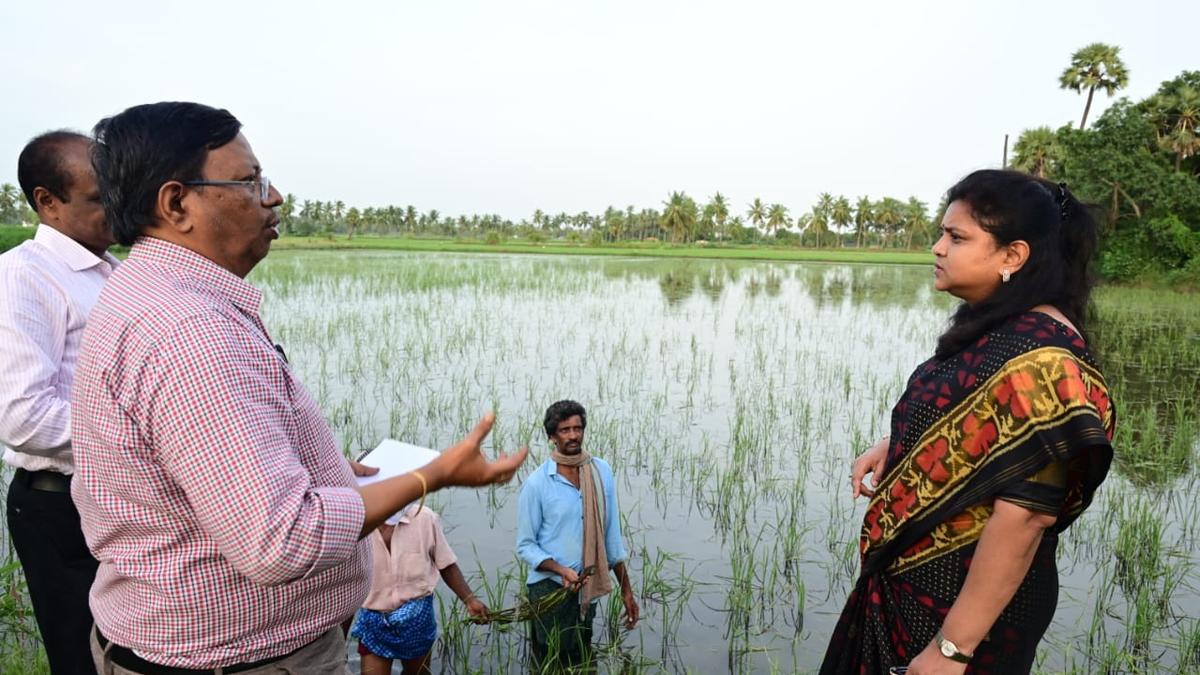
<point x="997" y="444"/>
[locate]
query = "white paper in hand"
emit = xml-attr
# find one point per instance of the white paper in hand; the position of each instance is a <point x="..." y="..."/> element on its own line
<point x="394" y="458"/>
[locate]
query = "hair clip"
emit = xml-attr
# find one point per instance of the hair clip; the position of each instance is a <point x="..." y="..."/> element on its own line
<point x="1063" y="203"/>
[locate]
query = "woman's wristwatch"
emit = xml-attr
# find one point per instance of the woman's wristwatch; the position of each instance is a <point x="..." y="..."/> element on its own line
<point x="950" y="650"/>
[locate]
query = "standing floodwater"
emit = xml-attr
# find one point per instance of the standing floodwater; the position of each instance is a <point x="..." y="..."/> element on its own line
<point x="730" y="397"/>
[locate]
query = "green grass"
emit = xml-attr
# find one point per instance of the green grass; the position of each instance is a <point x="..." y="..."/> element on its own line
<point x="647" y="249"/>
<point x="12" y="235"/>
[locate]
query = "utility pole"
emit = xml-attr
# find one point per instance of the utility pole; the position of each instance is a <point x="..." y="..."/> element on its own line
<point x="1004" y="163"/>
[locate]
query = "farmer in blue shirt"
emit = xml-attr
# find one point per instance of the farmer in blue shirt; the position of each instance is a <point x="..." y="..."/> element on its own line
<point x="569" y="521"/>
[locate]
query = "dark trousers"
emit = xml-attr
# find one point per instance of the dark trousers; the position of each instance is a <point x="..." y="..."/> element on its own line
<point x="561" y="637"/>
<point x="59" y="570"/>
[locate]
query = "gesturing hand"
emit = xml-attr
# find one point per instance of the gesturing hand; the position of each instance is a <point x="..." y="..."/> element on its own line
<point x="463" y="463"/>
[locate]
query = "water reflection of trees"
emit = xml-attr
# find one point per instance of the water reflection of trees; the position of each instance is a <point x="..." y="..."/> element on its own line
<point x="1150" y="355"/>
<point x="874" y="287"/>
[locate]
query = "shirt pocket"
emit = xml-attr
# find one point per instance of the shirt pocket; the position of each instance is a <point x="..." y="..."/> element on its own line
<point x="412" y="573"/>
<point x="564" y="512"/>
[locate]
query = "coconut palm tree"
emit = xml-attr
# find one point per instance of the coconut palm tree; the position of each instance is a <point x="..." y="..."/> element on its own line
<point x="777" y="217"/>
<point x="286" y="211"/>
<point x="720" y="212"/>
<point x="916" y="220"/>
<point x="863" y="215"/>
<point x="679" y="216"/>
<point x="10" y="199"/>
<point x="803" y="221"/>
<point x="1175" y="112"/>
<point x="1096" y="66"/>
<point x="818" y="222"/>
<point x="841" y="215"/>
<point x="889" y="214"/>
<point x="1037" y="152"/>
<point x="822" y="213"/>
<point x="757" y="212"/>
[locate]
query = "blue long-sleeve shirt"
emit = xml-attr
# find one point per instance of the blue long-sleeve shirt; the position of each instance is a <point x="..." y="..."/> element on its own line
<point x="550" y="521"/>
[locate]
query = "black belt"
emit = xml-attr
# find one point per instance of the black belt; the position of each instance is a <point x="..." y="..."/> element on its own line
<point x="128" y="660"/>
<point x="44" y="481"/>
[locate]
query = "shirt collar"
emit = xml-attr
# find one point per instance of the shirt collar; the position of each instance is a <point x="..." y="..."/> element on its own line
<point x="72" y="252"/>
<point x="551" y="469"/>
<point x="191" y="265"/>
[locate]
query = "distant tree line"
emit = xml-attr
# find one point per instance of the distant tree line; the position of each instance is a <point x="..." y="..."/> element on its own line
<point x="1139" y="162"/>
<point x="832" y="221"/>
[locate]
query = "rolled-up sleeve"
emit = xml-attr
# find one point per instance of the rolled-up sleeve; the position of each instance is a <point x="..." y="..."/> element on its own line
<point x="219" y="416"/>
<point x="35" y="416"/>
<point x="529" y="522"/>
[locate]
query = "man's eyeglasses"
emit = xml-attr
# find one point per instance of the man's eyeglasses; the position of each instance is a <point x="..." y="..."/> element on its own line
<point x="263" y="183"/>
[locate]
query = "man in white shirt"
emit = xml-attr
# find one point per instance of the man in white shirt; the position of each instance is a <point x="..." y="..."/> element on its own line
<point x="47" y="288"/>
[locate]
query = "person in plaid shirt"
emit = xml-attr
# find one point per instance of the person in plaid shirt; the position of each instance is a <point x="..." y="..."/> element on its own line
<point x="227" y="523"/>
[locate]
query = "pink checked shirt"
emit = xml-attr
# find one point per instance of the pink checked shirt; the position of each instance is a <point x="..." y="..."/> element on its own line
<point x="210" y="487"/>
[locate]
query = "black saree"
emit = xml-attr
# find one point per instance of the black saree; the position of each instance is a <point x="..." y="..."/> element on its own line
<point x="1022" y="415"/>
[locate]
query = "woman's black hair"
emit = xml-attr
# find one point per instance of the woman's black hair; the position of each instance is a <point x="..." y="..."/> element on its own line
<point x="138" y="150"/>
<point x="1062" y="237"/>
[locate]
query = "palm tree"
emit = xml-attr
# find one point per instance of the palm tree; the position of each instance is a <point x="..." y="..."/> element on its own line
<point x="612" y="223"/>
<point x="736" y="224"/>
<point x="889" y="214"/>
<point x="1175" y="111"/>
<point x="803" y="222"/>
<point x="777" y="217"/>
<point x="1096" y="66"/>
<point x="841" y="215"/>
<point x="916" y="219"/>
<point x="1037" y="152"/>
<point x="818" y="222"/>
<point x="286" y="210"/>
<point x="863" y="215"/>
<point x="679" y="216"/>
<point x="720" y="211"/>
<point x="757" y="212"/>
<point x="822" y="213"/>
<point x="410" y="218"/>
<point x="10" y="197"/>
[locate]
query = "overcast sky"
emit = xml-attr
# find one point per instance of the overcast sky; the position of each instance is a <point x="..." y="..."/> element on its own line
<point x="507" y="106"/>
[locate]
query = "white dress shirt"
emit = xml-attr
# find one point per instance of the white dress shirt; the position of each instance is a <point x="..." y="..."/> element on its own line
<point x="47" y="288"/>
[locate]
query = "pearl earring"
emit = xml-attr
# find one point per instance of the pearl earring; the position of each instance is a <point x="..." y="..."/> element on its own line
<point x="1005" y="275"/>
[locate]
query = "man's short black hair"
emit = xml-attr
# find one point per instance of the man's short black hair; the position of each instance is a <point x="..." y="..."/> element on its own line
<point x="560" y="411"/>
<point x="40" y="164"/>
<point x="138" y="150"/>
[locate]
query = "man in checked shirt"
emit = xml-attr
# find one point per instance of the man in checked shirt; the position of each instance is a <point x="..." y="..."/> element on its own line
<point x="226" y="521"/>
